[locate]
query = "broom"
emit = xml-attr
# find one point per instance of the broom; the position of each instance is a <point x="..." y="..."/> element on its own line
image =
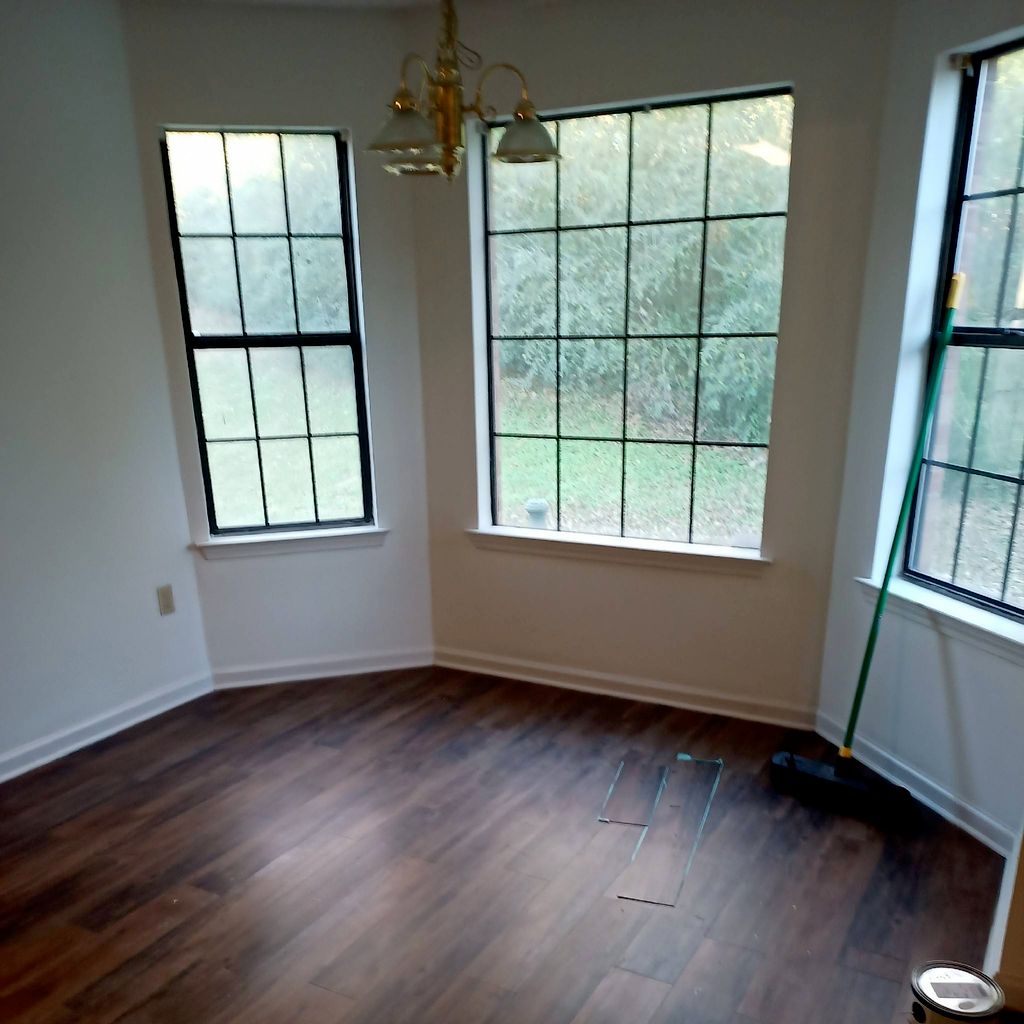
<point x="837" y="781"/>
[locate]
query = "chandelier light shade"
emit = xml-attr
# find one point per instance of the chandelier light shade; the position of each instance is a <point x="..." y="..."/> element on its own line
<point x="426" y="136"/>
<point x="526" y="140"/>
<point x="405" y="130"/>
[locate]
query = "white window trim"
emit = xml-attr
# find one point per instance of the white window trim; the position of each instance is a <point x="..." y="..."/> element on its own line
<point x="952" y="617"/>
<point x="626" y="551"/>
<point x="588" y="547"/>
<point x="289" y="542"/>
<point x="214" y="547"/>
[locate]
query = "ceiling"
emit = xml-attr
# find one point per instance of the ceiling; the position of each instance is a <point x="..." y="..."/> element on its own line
<point x="337" y="3"/>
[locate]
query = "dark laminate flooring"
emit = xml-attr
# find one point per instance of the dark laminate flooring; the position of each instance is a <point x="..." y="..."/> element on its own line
<point x="423" y="846"/>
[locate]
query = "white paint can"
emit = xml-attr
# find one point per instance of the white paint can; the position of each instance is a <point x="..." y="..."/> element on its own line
<point x="945" y="992"/>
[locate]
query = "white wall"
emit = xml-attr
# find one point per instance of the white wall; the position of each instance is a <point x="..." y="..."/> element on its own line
<point x="310" y="614"/>
<point x="745" y="643"/>
<point x="92" y="501"/>
<point x="944" y="708"/>
<point x="91" y="513"/>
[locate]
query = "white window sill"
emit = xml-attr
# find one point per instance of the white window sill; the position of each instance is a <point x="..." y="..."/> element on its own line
<point x="959" y="620"/>
<point x="661" y="554"/>
<point x="256" y="544"/>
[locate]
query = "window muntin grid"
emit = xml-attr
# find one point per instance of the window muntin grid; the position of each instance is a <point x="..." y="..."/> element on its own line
<point x="966" y="535"/>
<point x="665" y="236"/>
<point x="262" y="242"/>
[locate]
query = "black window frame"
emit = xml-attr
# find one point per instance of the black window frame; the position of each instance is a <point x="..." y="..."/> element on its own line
<point x="708" y="100"/>
<point x="986" y="338"/>
<point x="351" y="339"/>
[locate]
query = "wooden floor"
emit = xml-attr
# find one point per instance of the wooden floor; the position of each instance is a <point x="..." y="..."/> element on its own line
<point x="423" y="846"/>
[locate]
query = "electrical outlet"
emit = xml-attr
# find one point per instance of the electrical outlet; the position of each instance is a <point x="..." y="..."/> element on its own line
<point x="165" y="599"/>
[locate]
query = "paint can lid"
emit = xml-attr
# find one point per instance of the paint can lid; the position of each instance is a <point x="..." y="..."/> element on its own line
<point x="956" y="991"/>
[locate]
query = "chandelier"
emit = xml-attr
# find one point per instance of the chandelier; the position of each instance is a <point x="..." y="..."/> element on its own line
<point x="426" y="134"/>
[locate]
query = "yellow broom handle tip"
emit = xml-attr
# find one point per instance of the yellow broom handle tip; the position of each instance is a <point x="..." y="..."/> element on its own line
<point x="955" y="287"/>
<point x="845" y="752"/>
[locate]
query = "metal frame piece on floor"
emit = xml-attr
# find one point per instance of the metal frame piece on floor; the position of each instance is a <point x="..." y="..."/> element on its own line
<point x="686" y="758"/>
<point x="603" y="813"/>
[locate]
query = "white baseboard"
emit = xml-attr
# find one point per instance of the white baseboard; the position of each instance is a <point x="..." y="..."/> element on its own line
<point x="65" y="741"/>
<point x="994" y="834"/>
<point x="631" y="687"/>
<point x="997" y="835"/>
<point x="305" y="669"/>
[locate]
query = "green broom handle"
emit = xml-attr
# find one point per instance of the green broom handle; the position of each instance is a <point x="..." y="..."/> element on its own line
<point x="931" y="399"/>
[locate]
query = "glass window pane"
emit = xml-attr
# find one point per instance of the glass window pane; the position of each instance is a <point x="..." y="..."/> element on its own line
<point x="661" y="378"/>
<point x="736" y="382"/>
<point x="523" y="285"/>
<point x="984" y="229"/>
<point x="958" y="398"/>
<point x="521" y="195"/>
<point x="321" y="285"/>
<point x="1012" y="313"/>
<point x="985" y="542"/>
<point x="235" y="481"/>
<point x="199" y="183"/>
<point x="224" y="393"/>
<point x="664" y="278"/>
<point x="277" y="384"/>
<point x="669" y="154"/>
<point x="339" y="479"/>
<point x="287" y="479"/>
<point x="524" y="387"/>
<point x="750" y="143"/>
<point x="257" y="191"/>
<point x="594" y="169"/>
<point x="526" y="482"/>
<point x="994" y="291"/>
<point x="591" y="388"/>
<point x="591" y="486"/>
<point x="211" y="285"/>
<point x="743" y="275"/>
<point x="998" y="132"/>
<point x="658" y="491"/>
<point x="1015" y="579"/>
<point x="311" y="177"/>
<point x="728" y="498"/>
<point x="999" y="447"/>
<point x="264" y="268"/>
<point x="592" y="281"/>
<point x="940" y="521"/>
<point x="331" y="390"/>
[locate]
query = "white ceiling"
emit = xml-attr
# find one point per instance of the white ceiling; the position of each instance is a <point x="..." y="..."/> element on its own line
<point x="337" y="3"/>
<point x="378" y="4"/>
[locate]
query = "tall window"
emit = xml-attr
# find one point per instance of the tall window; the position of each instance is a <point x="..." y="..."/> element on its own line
<point x="263" y="243"/>
<point x="968" y="535"/>
<point x="634" y="307"/>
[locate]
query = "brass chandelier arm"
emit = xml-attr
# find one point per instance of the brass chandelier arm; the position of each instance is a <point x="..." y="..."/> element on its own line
<point x="415" y="58"/>
<point x="477" y="106"/>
